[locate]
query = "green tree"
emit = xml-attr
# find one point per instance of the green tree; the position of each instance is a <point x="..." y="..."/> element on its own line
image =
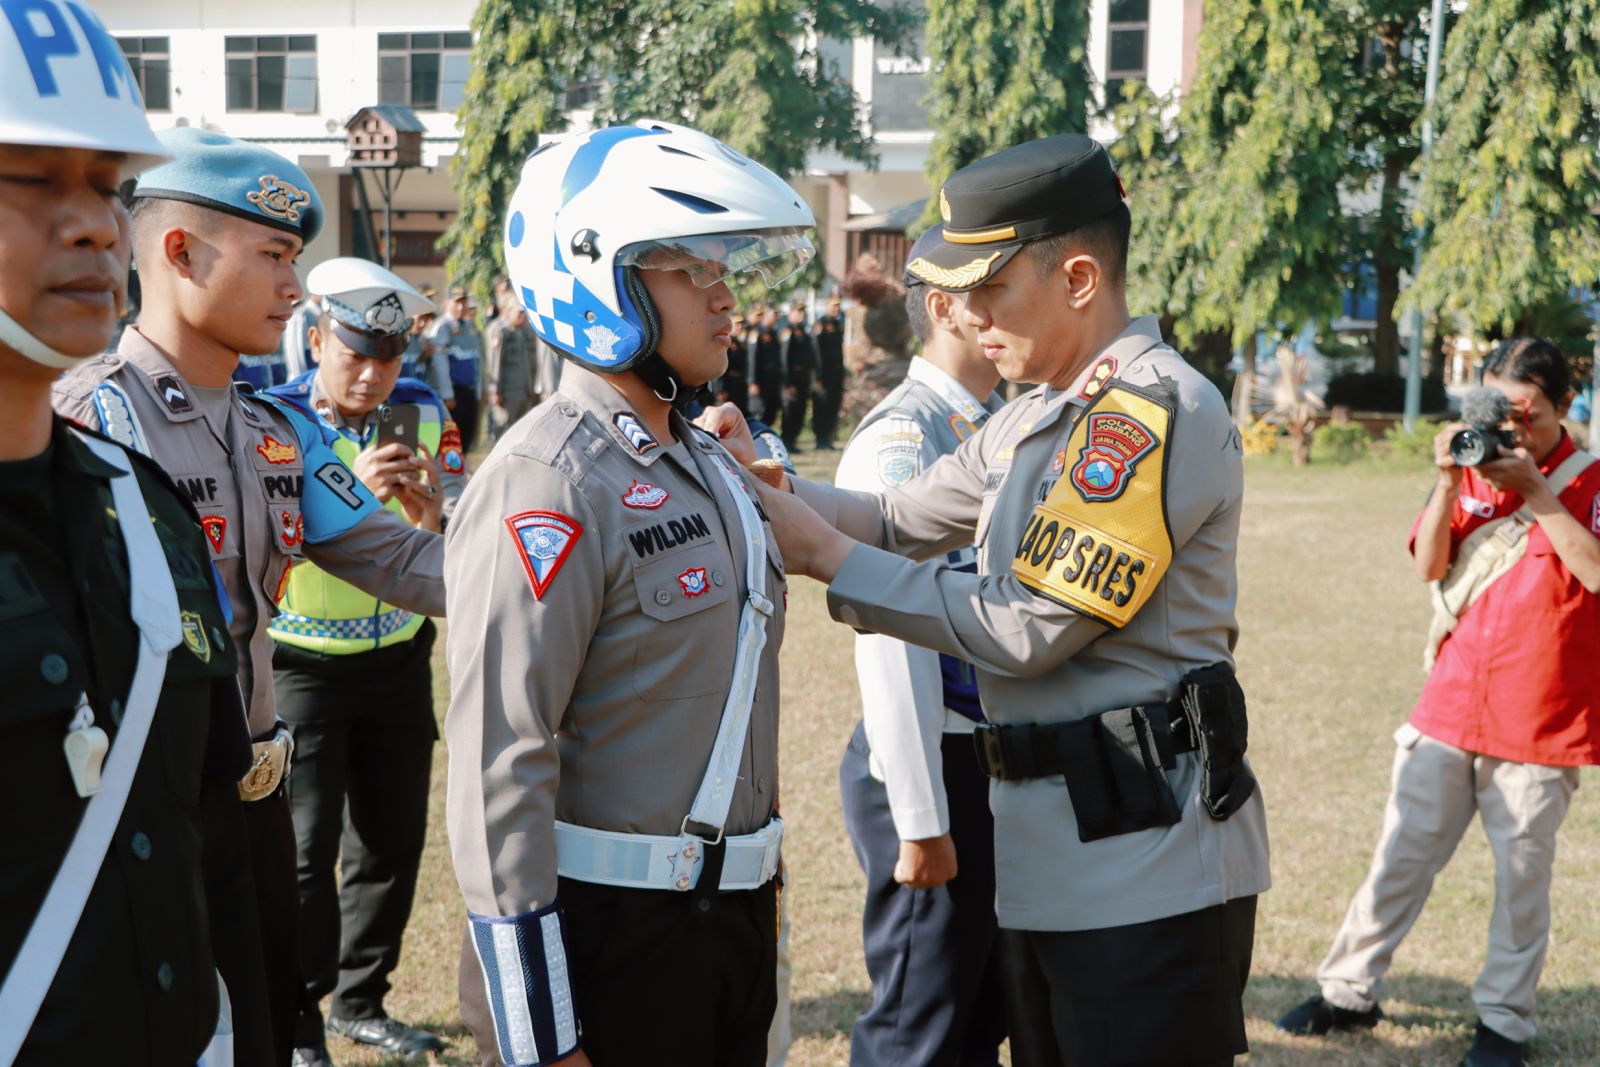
<point x="1510" y="190"/>
<point x="1004" y="72"/>
<point x="747" y="71"/>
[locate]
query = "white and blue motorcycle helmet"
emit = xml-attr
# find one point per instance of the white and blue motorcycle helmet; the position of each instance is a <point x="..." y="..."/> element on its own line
<point x="593" y="209"/>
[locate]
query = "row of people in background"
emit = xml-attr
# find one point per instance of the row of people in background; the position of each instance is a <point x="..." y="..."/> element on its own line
<point x="777" y="369"/>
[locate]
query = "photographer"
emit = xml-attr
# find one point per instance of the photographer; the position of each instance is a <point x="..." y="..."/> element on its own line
<point x="1508" y="712"/>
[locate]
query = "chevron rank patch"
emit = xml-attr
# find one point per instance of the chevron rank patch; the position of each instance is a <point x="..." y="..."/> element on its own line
<point x="545" y="539"/>
<point x="1099" y="542"/>
<point x="629" y="426"/>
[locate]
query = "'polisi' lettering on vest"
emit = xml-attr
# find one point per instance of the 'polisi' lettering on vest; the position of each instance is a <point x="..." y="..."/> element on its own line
<point x="201" y="490"/>
<point x="283" y="486"/>
<point x="669" y="534"/>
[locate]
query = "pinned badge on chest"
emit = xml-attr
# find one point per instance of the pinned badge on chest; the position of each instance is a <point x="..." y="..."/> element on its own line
<point x="85" y="746"/>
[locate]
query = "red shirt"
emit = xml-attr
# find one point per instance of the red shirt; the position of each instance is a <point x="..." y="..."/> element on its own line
<point x="1519" y="677"/>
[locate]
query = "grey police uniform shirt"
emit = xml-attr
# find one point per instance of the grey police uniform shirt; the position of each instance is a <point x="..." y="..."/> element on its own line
<point x="245" y="481"/>
<point x="595" y="577"/>
<point x="902" y="685"/>
<point x="1041" y="662"/>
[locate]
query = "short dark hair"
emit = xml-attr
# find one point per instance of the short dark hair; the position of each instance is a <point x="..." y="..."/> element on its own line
<point x="1533" y="360"/>
<point x="1106" y="239"/>
<point x="917" y="312"/>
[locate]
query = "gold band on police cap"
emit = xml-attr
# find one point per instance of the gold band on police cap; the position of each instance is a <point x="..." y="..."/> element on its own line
<point x="978" y="237"/>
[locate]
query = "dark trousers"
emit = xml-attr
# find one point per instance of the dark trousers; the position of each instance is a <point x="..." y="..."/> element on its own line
<point x="769" y="379"/>
<point x="796" y="396"/>
<point x="360" y="798"/>
<point x="466" y="415"/>
<point x="271" y="833"/>
<point x="236" y="924"/>
<point x="655" y="979"/>
<point x="1166" y="992"/>
<point x="826" y="418"/>
<point x="933" y="954"/>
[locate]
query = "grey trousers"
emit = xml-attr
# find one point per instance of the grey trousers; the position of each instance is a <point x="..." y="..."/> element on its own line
<point x="1436" y="789"/>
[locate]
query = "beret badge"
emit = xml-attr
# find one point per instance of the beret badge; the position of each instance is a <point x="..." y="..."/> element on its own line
<point x="279" y="198"/>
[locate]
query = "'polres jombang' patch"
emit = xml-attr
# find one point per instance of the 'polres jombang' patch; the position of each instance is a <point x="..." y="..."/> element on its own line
<point x="544" y="540"/>
<point x="1115" y="444"/>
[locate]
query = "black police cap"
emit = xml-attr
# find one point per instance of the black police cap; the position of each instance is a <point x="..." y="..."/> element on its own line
<point x="993" y="207"/>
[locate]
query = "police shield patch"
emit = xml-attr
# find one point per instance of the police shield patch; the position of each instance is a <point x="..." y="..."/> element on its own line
<point x="1099" y="542"/>
<point x="544" y="541"/>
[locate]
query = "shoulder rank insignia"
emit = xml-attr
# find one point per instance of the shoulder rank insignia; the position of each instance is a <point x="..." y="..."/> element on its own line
<point x="628" y="424"/>
<point x="1099" y="374"/>
<point x="544" y="540"/>
<point x="1099" y="543"/>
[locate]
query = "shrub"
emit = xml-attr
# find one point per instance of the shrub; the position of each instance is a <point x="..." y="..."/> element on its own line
<point x="1260" y="438"/>
<point x="1340" y="443"/>
<point x="1381" y="392"/>
<point x="1413" y="444"/>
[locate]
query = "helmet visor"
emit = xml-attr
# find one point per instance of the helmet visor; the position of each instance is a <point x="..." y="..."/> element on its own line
<point x="776" y="255"/>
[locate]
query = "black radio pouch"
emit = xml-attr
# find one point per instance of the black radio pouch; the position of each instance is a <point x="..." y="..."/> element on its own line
<point x="1213" y="705"/>
<point x="1114" y="775"/>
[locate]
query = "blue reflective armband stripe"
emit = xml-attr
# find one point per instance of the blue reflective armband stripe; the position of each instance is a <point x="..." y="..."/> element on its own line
<point x="524" y="961"/>
<point x="333" y="500"/>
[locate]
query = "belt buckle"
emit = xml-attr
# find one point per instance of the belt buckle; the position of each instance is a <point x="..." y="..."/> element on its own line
<point x="991" y="753"/>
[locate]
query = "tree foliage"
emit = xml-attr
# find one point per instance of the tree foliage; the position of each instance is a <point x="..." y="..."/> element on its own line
<point x="1004" y="72"/>
<point x="1511" y="187"/>
<point x="746" y="71"/>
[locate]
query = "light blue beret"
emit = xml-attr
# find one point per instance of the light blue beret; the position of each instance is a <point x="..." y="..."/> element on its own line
<point x="233" y="176"/>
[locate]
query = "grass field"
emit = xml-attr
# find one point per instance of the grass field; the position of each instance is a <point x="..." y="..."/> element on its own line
<point x="1331" y="659"/>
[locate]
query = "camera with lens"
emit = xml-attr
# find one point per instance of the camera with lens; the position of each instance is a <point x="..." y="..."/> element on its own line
<point x="1484" y="439"/>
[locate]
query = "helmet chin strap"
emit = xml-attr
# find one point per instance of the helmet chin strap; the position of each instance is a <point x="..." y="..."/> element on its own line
<point x="669" y="388"/>
<point x="19" y="340"/>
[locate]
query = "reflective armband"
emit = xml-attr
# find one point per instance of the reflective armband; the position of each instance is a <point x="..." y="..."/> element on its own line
<point x="524" y="961"/>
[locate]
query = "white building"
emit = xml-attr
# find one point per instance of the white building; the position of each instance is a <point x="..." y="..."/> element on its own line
<point x="218" y="65"/>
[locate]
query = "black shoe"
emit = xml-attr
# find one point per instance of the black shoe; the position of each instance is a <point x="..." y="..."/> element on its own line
<point x="311" y="1056"/>
<point x="389" y="1035"/>
<point x="1491" y="1049"/>
<point x="1316" y="1016"/>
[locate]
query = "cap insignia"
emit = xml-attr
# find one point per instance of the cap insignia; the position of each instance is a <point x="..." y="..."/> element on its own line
<point x="387" y="315"/>
<point x="958" y="278"/>
<point x="279" y="198"/>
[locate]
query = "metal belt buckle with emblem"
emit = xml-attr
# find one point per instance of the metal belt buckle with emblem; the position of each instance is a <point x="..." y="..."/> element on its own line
<point x="269" y="765"/>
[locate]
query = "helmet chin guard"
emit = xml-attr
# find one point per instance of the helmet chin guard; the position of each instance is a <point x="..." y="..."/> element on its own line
<point x="594" y="209"/>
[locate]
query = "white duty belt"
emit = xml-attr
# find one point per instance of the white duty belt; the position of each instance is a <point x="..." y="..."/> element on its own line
<point x="154" y="609"/>
<point x="662" y="862"/>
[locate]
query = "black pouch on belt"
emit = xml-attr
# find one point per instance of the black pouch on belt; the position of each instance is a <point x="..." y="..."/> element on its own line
<point x="1114" y="775"/>
<point x="1213" y="705"/>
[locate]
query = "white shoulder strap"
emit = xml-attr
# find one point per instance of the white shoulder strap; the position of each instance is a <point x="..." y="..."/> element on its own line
<point x="710" y="808"/>
<point x="154" y="608"/>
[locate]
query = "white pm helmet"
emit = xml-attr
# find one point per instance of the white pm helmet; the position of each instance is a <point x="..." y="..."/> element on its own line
<point x="594" y="208"/>
<point x="64" y="83"/>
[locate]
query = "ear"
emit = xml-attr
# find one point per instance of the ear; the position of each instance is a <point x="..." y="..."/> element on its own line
<point x="942" y="309"/>
<point x="178" y="248"/>
<point x="1081" y="277"/>
<point x="314" y="335"/>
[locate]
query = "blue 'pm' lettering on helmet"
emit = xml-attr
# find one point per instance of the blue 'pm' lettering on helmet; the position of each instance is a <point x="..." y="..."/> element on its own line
<point x="39" y="48"/>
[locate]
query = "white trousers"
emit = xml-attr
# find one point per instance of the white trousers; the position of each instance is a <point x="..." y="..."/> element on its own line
<point x="1435" y="791"/>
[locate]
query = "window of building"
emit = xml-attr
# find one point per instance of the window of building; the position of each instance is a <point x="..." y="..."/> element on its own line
<point x="272" y="73"/>
<point x="584" y="93"/>
<point x="1127" y="45"/>
<point x="427" y="71"/>
<point x="151" y="60"/>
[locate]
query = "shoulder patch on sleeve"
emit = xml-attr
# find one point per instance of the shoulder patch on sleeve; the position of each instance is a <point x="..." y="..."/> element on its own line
<point x="1099" y="543"/>
<point x="544" y="539"/>
<point x="451" y="457"/>
<point x="117" y="418"/>
<point x="898" y="446"/>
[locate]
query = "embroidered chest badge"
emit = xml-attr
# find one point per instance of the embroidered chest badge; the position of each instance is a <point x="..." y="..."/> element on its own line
<point x="216" y="528"/>
<point x="1105" y="464"/>
<point x="644" y="495"/>
<point x="544" y="541"/>
<point x="194" y="636"/>
<point x="450" y="457"/>
<point x="292" y="529"/>
<point x="274" y="451"/>
<point x="693" y="581"/>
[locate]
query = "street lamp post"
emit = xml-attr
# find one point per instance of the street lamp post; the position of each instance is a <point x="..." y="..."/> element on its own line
<point x="1414" y="362"/>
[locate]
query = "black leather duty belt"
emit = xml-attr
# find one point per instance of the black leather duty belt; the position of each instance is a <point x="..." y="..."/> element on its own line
<point x="1041" y="750"/>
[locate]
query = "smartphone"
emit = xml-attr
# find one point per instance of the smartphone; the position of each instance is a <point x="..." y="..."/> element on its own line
<point x="398" y="422"/>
